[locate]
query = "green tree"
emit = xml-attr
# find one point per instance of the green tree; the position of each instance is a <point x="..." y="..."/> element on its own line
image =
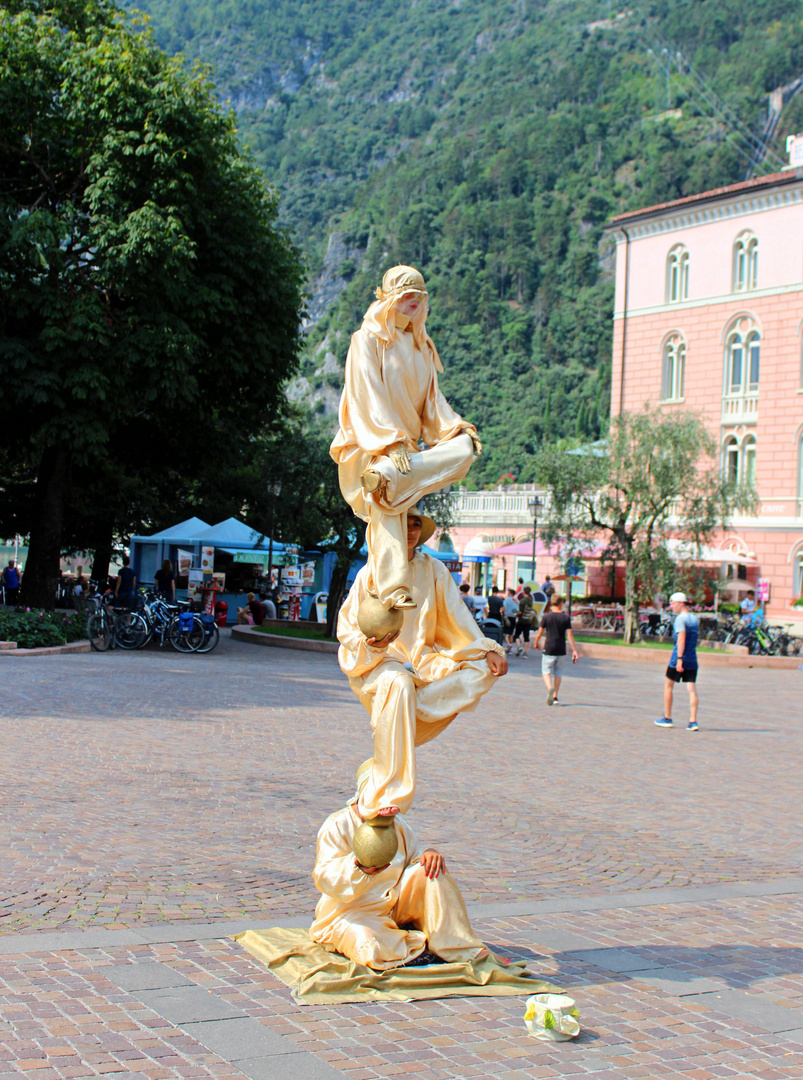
<point x="149" y="302"/>
<point x="653" y="478"/>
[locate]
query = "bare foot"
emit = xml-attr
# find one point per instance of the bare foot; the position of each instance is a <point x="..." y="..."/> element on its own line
<point x="386" y="811"/>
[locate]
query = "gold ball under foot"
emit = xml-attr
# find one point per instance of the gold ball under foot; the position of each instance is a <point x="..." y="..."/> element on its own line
<point x="376" y="842"/>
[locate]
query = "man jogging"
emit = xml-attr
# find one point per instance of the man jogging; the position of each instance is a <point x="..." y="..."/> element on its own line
<point x="683" y="662"/>
<point x="557" y="626"/>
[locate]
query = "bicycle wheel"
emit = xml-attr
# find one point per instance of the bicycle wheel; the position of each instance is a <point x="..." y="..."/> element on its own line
<point x="99" y="632"/>
<point x="211" y="638"/>
<point x="131" y="631"/>
<point x="185" y="640"/>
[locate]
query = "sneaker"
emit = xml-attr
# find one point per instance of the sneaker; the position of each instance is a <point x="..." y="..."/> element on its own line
<point x="508" y="648"/>
<point x="663" y="722"/>
<point x="518" y="651"/>
<point x="550" y="698"/>
<point x="692" y="726"/>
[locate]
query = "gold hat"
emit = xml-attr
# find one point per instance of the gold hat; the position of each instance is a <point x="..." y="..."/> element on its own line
<point x="428" y="526"/>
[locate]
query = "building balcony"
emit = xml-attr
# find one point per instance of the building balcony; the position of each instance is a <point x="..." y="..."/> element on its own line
<point x="495" y="508"/>
<point x="740" y="409"/>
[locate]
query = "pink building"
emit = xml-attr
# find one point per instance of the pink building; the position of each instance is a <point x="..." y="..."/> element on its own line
<point x="709" y="316"/>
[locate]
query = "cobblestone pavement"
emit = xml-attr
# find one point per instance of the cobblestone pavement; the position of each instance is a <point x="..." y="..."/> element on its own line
<point x="650" y="871"/>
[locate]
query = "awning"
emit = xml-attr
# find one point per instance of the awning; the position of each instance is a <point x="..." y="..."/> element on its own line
<point x="478" y="551"/>
<point x="686" y="551"/>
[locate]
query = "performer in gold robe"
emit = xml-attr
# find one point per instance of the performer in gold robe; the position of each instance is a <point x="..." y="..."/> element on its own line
<point x="390" y="402"/>
<point x="415" y="683"/>
<point x="362" y="910"/>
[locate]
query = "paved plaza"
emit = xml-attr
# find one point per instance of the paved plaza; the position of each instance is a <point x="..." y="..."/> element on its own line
<point x="153" y="804"/>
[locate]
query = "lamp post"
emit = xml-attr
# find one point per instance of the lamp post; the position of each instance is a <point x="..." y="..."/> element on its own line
<point x="534" y="505"/>
<point x="275" y="491"/>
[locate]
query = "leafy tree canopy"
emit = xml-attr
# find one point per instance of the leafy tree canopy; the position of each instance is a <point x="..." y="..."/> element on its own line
<point x="149" y="299"/>
<point x="654" y="477"/>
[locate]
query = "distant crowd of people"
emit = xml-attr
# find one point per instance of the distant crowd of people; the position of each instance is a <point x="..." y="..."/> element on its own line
<point x="517" y="615"/>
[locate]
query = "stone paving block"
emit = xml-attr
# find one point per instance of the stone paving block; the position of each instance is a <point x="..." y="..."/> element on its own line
<point x="621" y="960"/>
<point x="240" y="1038"/>
<point x="188" y="1004"/>
<point x="674" y="981"/>
<point x="758" y="1010"/>
<point x="145" y="975"/>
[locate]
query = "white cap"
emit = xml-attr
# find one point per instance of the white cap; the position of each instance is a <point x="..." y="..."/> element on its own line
<point x="678" y="598"/>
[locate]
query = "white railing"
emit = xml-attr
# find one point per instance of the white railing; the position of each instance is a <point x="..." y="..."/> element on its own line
<point x="740" y="410"/>
<point x="495" y="507"/>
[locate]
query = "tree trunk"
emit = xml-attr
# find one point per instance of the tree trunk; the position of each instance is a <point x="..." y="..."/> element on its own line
<point x="103" y="553"/>
<point x="632" y="632"/>
<point x="41" y="578"/>
<point x="337" y="586"/>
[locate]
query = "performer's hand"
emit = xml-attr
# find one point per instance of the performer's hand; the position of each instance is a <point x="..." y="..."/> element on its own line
<point x="369" y="870"/>
<point x="497" y="663"/>
<point x="433" y="863"/>
<point x="399" y="456"/>
<point x="475" y="442"/>
<point x="383" y="643"/>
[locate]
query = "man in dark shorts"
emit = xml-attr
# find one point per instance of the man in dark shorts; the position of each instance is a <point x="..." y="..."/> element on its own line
<point x="683" y="662"/>
<point x="557" y="626"/>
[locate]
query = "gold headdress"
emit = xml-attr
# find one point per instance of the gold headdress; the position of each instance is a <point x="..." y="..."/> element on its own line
<point x="398" y="282"/>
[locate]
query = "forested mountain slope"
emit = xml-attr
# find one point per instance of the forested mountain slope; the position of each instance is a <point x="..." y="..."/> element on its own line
<point x="487" y="142"/>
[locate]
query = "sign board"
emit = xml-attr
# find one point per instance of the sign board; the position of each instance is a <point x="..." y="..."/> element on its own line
<point x="572" y="567"/>
<point x="308" y="573"/>
<point x="762" y="590"/>
<point x="184" y="562"/>
<point x="219" y="581"/>
<point x="291" y="575"/>
<point x="794" y="148"/>
<point x="195" y="580"/>
<point x="207" y="559"/>
<point x="258" y="558"/>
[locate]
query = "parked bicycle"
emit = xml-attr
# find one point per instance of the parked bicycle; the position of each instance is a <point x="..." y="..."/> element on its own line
<point x="110" y="627"/>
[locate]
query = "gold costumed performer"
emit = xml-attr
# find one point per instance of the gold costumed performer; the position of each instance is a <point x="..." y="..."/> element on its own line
<point x="390" y="402"/>
<point x="363" y="909"/>
<point x="413" y="683"/>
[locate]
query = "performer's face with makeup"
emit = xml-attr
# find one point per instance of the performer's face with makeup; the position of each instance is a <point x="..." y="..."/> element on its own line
<point x="413" y="534"/>
<point x="409" y="304"/>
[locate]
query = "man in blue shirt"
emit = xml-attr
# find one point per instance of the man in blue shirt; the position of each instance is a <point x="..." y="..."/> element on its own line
<point x="683" y="662"/>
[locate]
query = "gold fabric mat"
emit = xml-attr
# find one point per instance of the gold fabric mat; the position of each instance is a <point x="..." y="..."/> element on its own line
<point x="318" y="977"/>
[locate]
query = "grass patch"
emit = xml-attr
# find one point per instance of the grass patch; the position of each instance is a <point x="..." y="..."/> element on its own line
<point x="593" y="639"/>
<point x="310" y="631"/>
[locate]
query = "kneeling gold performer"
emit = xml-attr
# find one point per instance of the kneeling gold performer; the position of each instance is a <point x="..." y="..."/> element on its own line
<point x="364" y="910"/>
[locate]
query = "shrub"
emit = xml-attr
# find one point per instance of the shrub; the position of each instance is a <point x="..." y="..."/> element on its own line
<point x="38" y="629"/>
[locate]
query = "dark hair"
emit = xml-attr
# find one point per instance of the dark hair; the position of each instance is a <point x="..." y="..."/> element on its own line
<point x="167" y="565"/>
<point x="465" y="587"/>
<point x="494" y="589"/>
<point x="528" y="590"/>
<point x="126" y="560"/>
<point x="556" y="600"/>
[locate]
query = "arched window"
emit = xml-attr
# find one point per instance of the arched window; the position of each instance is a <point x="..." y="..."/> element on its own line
<point x="731" y="460"/>
<point x="745" y="262"/>
<point x="674" y="368"/>
<point x="749" y="460"/>
<point x="742" y="359"/>
<point x="677" y="275"/>
<point x="739" y="460"/>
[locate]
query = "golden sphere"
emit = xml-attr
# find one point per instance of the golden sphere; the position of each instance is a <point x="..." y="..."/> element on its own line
<point x="376" y="621"/>
<point x="375" y="845"/>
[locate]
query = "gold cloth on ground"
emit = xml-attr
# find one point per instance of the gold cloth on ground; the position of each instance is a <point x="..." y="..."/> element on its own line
<point x="318" y="977"/>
